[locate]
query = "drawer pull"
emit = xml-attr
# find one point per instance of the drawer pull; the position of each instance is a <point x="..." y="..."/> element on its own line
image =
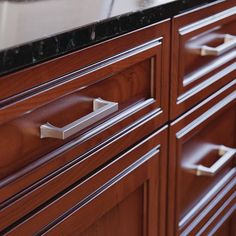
<point x="101" y="109"/>
<point x="226" y="155"/>
<point x="229" y="43"/>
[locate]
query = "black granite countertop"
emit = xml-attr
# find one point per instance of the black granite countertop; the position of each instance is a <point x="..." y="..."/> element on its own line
<point x="46" y="34"/>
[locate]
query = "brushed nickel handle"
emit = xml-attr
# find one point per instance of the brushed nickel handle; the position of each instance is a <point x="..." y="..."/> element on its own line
<point x="229" y="43"/>
<point x="101" y="109"/>
<point x="226" y="154"/>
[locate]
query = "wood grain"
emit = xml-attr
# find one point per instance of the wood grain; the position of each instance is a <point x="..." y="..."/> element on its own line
<point x="133" y="182"/>
<point x="194" y="137"/>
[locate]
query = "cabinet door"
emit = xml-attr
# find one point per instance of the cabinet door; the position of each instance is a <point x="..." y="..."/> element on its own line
<point x="124" y="197"/>
<point x="221" y="224"/>
<point x="203" y="56"/>
<point x="202" y="167"/>
<point x="126" y="205"/>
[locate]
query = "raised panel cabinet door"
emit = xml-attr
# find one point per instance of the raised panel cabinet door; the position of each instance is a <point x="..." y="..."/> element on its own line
<point x="127" y="196"/>
<point x="203" y="54"/>
<point x="219" y="215"/>
<point x="202" y="170"/>
<point x="222" y="223"/>
<point x="126" y="207"/>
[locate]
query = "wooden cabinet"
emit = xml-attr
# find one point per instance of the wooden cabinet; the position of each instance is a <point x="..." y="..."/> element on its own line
<point x="126" y="195"/>
<point x="203" y="170"/>
<point x="203" y="54"/>
<point x="133" y="136"/>
<point x="133" y="83"/>
<point x="66" y="140"/>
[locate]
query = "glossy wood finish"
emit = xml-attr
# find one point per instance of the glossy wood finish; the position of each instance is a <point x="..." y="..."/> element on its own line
<point x="111" y="178"/>
<point x="33" y="196"/>
<point x="220" y="210"/>
<point x="202" y="148"/>
<point x="194" y="137"/>
<point x="125" y="196"/>
<point x="199" y="205"/>
<point x="195" y="77"/>
<point x="136" y="79"/>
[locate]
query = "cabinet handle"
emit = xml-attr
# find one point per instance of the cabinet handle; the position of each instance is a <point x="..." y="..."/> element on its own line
<point x="229" y="43"/>
<point x="226" y="154"/>
<point x="101" y="109"/>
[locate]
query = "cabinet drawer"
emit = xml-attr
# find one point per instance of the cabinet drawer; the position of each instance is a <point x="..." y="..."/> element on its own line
<point x="130" y="188"/>
<point x="19" y="84"/>
<point x="204" y="59"/>
<point x="201" y="162"/>
<point x="218" y="216"/>
<point x="134" y="85"/>
<point x="226" y="226"/>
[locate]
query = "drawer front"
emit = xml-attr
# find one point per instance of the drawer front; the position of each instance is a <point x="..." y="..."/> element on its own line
<point x="227" y="227"/>
<point x="18" y="84"/>
<point x="133" y="84"/>
<point x="204" y="148"/>
<point x="130" y="188"/>
<point x="218" y="217"/>
<point x="204" y="59"/>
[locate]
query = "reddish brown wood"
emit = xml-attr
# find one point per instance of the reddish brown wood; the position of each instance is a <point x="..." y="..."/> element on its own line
<point x="202" y="148"/>
<point x="16" y="84"/>
<point x="225" y="228"/>
<point x="132" y="186"/>
<point x="217" y="215"/>
<point x="194" y="137"/>
<point x="137" y="80"/>
<point x="195" y="77"/>
<point x="111" y="179"/>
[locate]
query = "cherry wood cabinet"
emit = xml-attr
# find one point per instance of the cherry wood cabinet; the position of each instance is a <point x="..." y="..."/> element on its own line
<point x="202" y="171"/>
<point x="133" y="136"/>
<point x="202" y="141"/>
<point x="227" y="227"/>
<point x="120" y="101"/>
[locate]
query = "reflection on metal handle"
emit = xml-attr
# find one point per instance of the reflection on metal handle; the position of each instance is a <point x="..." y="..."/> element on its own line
<point x="229" y="43"/>
<point x="226" y="155"/>
<point x="101" y="109"/>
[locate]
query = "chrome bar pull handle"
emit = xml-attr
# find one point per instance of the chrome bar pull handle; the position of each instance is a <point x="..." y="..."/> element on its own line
<point x="226" y="154"/>
<point x="229" y="43"/>
<point x="101" y="109"/>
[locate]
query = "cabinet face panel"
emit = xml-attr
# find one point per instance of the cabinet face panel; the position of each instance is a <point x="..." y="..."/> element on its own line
<point x="203" y="56"/>
<point x="219" y="210"/>
<point x="130" y="83"/>
<point x="127" y="218"/>
<point x="23" y="82"/>
<point x="195" y="66"/>
<point x="136" y="79"/>
<point x="228" y="228"/>
<point x="130" y="190"/>
<point x="129" y="208"/>
<point x="196" y="140"/>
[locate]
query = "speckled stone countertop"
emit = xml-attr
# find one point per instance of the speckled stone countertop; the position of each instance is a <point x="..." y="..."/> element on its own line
<point x="33" y="31"/>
